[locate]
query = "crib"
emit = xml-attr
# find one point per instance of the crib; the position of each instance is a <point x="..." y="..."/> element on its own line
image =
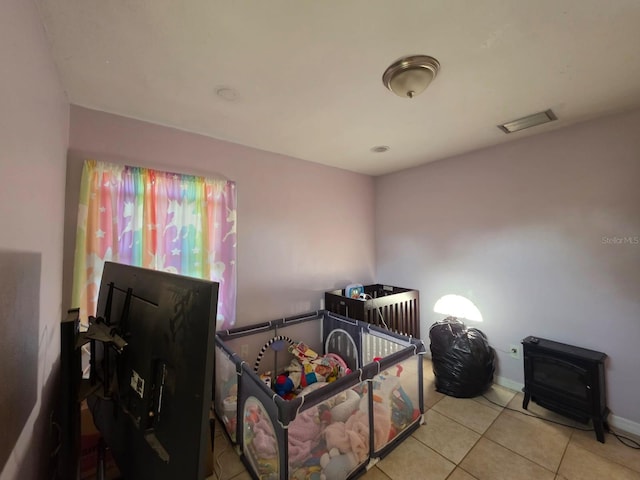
<point x="330" y="430"/>
<point x="396" y="308"/>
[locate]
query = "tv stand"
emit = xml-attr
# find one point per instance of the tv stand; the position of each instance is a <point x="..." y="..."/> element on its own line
<point x="70" y="379"/>
<point x="74" y="388"/>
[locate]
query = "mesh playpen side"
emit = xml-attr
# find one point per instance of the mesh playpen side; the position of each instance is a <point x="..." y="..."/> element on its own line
<point x="378" y="404"/>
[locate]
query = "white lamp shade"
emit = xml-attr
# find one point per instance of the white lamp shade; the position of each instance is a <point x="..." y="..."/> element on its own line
<point x="457" y="306"/>
<point x="411" y="82"/>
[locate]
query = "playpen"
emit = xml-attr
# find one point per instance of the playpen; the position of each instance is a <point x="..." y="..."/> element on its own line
<point x="333" y="429"/>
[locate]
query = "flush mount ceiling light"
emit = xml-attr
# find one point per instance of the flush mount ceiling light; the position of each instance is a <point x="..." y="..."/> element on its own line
<point x="411" y="75"/>
<point x="528" y="121"/>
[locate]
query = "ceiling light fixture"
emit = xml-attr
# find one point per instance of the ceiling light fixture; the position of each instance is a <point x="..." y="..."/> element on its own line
<point x="528" y="121"/>
<point x="410" y="75"/>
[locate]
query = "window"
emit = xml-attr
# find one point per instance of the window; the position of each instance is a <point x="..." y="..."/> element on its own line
<point x="183" y="224"/>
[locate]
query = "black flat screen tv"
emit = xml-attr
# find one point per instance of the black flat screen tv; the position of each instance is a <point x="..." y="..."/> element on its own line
<point x="154" y="409"/>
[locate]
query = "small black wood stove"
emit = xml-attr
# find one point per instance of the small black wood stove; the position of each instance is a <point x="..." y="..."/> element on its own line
<point x="566" y="379"/>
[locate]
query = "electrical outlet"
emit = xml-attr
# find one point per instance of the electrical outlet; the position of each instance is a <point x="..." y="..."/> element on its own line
<point x="514" y="351"/>
<point x="244" y="351"/>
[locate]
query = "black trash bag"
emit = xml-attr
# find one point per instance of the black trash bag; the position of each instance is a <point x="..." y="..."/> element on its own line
<point x="463" y="361"/>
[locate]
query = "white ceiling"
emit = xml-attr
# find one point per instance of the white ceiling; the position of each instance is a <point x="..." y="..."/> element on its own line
<point x="308" y="73"/>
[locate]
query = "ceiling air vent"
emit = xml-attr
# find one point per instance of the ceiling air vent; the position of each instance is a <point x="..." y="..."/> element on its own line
<point x="528" y="121"/>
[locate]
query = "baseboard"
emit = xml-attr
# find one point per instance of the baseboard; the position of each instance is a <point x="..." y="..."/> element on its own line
<point x="507" y="383"/>
<point x="619" y="423"/>
<point x="615" y="422"/>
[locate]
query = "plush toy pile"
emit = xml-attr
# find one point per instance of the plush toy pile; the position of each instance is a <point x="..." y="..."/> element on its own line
<point x="330" y="440"/>
<point x="306" y="368"/>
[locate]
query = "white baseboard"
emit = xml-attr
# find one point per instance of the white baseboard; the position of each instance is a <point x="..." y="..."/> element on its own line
<point x="615" y="422"/>
<point x="618" y="423"/>
<point x="507" y="383"/>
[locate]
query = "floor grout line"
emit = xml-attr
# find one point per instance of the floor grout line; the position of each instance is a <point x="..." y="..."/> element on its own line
<point x="482" y="435"/>
<point x="608" y="459"/>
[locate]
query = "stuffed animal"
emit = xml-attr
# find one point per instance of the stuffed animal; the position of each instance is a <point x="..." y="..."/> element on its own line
<point x="336" y="465"/>
<point x="345" y="404"/>
<point x="306" y="368"/>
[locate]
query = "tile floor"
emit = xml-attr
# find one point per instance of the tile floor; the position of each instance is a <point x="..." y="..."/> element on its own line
<point x="466" y="439"/>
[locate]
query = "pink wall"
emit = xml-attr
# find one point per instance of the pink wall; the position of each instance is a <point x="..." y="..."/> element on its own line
<point x="303" y="228"/>
<point x="526" y="231"/>
<point x="34" y="121"/>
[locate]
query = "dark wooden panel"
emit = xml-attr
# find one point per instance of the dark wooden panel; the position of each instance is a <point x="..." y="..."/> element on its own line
<point x="398" y="307"/>
<point x="19" y="320"/>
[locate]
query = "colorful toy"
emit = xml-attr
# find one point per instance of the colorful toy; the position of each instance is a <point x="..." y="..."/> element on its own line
<point x="388" y="390"/>
<point x="306" y="368"/>
<point x="276" y="343"/>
